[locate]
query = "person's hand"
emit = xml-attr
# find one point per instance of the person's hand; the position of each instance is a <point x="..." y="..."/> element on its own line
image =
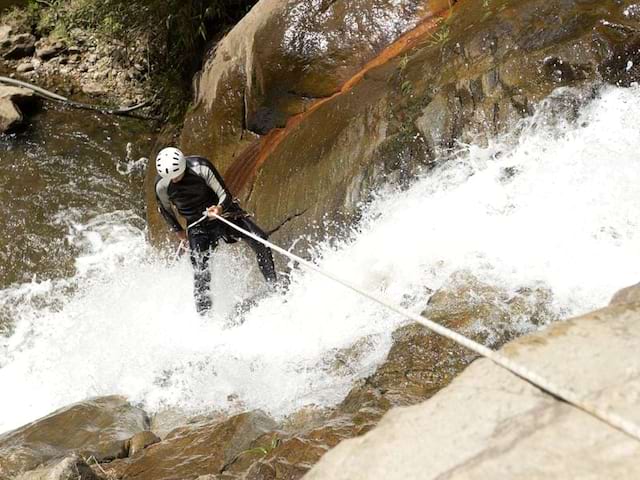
<point x="214" y="210"/>
<point x="182" y="235"/>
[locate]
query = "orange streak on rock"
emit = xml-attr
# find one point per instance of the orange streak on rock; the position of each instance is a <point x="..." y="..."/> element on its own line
<point x="245" y="167"/>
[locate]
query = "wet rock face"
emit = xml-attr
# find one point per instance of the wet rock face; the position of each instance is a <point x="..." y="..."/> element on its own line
<point x="282" y="56"/>
<point x="313" y="47"/>
<point x="191" y="451"/>
<point x="476" y="73"/>
<point x="97" y="428"/>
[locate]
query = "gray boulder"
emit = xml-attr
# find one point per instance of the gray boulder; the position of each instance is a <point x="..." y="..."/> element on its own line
<point x="490" y="423"/>
<point x="11" y="99"/>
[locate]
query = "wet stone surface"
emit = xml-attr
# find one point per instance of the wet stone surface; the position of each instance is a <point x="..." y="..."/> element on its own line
<point x="475" y="74"/>
<point x="94" y="428"/>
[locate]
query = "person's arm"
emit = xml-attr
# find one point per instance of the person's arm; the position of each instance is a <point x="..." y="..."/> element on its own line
<point x="164" y="207"/>
<point x="214" y="180"/>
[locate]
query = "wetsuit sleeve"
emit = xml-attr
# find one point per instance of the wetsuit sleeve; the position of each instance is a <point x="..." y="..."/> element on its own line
<point x="164" y="205"/>
<point x="214" y="180"/>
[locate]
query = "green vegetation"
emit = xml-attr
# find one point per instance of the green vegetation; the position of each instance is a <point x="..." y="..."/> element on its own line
<point x="263" y="451"/>
<point x="440" y="37"/>
<point x="173" y="34"/>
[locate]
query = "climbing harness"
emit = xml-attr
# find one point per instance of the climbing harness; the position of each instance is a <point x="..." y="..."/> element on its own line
<point x="560" y="392"/>
<point x="233" y="214"/>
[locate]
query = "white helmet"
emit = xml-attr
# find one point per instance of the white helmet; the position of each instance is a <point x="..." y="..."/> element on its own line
<point x="170" y="163"/>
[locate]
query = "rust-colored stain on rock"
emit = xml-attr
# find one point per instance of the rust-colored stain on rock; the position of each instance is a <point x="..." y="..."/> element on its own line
<point x="245" y="167"/>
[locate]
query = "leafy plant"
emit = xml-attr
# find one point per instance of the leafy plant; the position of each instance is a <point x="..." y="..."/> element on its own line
<point x="406" y="88"/>
<point x="440" y="37"/>
<point x="262" y="451"/>
<point x="404" y="61"/>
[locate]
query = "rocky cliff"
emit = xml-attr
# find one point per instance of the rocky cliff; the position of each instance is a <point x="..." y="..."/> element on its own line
<point x="304" y="125"/>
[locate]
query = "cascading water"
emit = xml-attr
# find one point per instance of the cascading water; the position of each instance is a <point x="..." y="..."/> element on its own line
<point x="553" y="204"/>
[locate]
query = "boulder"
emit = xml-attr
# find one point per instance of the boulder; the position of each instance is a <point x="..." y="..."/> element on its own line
<point x="10" y="116"/>
<point x="489" y="423"/>
<point x="139" y="442"/>
<point x="491" y="315"/>
<point x="18" y="46"/>
<point x="282" y="55"/>
<point x="71" y="468"/>
<point x="627" y="295"/>
<point x="25" y="67"/>
<point x="194" y="450"/>
<point x="95" y="428"/>
<point x="11" y="99"/>
<point x="46" y="50"/>
<point x="5" y="33"/>
<point x="476" y="73"/>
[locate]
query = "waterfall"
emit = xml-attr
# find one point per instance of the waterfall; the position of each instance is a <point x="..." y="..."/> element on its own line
<point x="553" y="203"/>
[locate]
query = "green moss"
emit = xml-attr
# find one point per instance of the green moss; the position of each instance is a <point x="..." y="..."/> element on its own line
<point x="175" y="34"/>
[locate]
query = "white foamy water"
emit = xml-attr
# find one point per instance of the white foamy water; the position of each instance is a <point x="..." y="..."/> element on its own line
<point x="555" y="205"/>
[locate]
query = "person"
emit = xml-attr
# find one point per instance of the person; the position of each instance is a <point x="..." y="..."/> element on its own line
<point x="194" y="186"/>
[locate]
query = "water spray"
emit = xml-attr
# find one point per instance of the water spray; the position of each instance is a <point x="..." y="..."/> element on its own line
<point x="557" y="391"/>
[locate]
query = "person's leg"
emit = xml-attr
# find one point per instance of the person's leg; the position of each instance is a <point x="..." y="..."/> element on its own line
<point x="201" y="244"/>
<point x="263" y="253"/>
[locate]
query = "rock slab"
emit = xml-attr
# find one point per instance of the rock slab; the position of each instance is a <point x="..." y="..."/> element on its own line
<point x="96" y="427"/>
<point x="71" y="468"/>
<point x="195" y="450"/>
<point x="491" y="424"/>
<point x="11" y="98"/>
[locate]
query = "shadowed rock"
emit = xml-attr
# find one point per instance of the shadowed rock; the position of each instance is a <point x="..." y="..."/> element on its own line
<point x="139" y="442"/>
<point x="15" y="47"/>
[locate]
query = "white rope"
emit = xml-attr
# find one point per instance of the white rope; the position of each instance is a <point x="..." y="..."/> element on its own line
<point x="562" y="393"/>
<point x="201" y="219"/>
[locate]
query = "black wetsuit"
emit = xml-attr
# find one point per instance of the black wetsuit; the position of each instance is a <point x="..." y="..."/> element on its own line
<point x="200" y="188"/>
